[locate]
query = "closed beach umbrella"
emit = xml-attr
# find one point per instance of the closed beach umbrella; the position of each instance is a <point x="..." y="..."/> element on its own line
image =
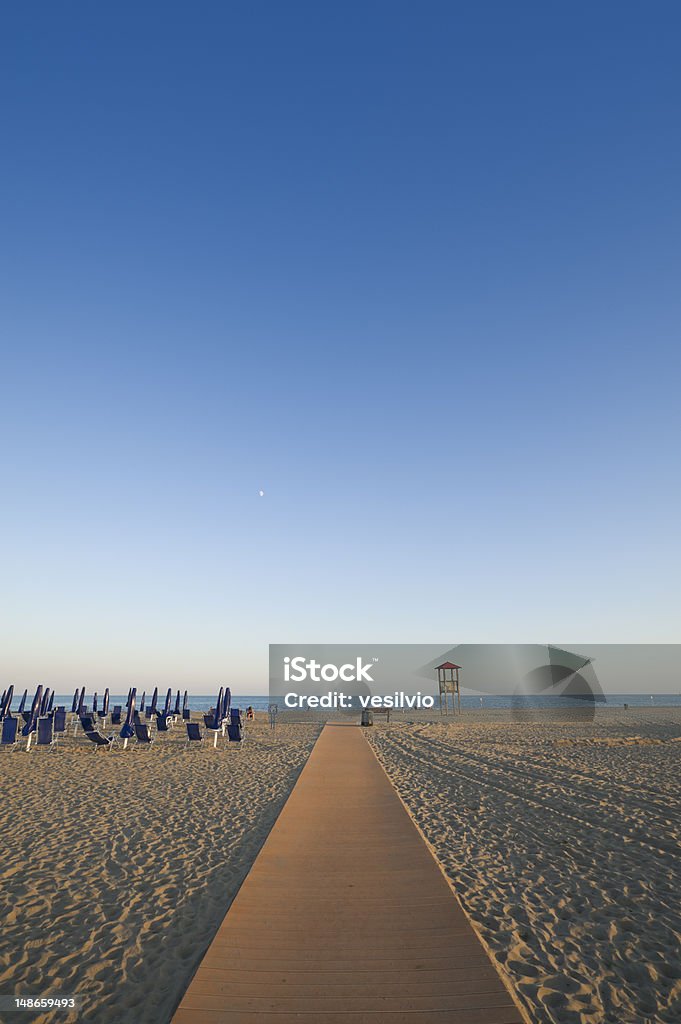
<point x="35" y="711"/>
<point x="2" y="700"/>
<point x="128" y="729"/>
<point x="74" y="705"/>
<point x="94" y="703"/>
<point x="7" y="702"/>
<point x="144" y="697"/>
<point x="50" y="703"/>
<point x="81" y="701"/>
<point x="22" y="703"/>
<point x="217" y="718"/>
<point x="154" y="699"/>
<point x="45" y="701"/>
<point x="184" y="702"/>
<point x="177" y="704"/>
<point x="228" y="701"/>
<point x="169" y="697"/>
<point x="105" y="702"/>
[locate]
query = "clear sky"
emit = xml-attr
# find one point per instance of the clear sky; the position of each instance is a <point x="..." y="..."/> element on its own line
<point x="412" y="269"/>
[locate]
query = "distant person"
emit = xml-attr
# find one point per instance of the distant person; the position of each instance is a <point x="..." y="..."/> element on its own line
<point x="250" y="713"/>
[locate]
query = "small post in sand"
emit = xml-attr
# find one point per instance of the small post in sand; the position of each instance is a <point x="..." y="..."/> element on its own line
<point x="448" y="682"/>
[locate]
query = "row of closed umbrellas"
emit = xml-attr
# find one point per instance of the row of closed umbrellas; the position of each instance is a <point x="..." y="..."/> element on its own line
<point x="43" y="702"/>
<point x="221" y="710"/>
<point x="78" y="705"/>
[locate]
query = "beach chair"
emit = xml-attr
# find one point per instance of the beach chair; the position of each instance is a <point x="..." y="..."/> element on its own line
<point x="208" y="720"/>
<point x="60" y="720"/>
<point x="186" y="714"/>
<point x="87" y="722"/>
<point x="143" y="735"/>
<point x="194" y="734"/>
<point x="45" y="733"/>
<point x="162" y="721"/>
<point x="116" y="714"/>
<point x="100" y="740"/>
<point x="235" y="732"/>
<point x="9" y="737"/>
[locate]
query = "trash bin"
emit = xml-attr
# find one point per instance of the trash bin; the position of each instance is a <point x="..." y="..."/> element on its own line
<point x="367" y="718"/>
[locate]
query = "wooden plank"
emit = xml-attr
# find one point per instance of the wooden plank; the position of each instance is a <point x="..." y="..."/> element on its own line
<point x="345" y="918"/>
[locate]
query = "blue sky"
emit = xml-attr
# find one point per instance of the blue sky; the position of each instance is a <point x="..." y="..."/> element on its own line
<point x="410" y="269"/>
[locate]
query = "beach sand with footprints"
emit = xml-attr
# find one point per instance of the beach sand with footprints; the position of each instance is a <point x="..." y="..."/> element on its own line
<point x="562" y="839"/>
<point x="117" y="867"/>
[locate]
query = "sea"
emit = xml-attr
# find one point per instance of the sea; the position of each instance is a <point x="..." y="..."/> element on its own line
<point x="261" y="702"/>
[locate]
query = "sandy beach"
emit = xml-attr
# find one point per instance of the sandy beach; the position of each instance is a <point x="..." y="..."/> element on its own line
<point x="561" y="839"/>
<point x="117" y="868"/>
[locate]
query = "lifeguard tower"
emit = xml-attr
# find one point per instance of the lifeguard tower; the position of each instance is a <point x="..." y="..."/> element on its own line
<point x="448" y="682"/>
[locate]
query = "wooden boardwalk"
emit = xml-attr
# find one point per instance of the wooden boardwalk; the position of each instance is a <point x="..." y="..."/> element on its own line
<point x="345" y="916"/>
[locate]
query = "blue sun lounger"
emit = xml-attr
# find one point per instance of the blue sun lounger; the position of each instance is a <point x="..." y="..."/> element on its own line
<point x="9" y="737"/>
<point x="235" y="732"/>
<point x="194" y="734"/>
<point x="235" y="729"/>
<point x="143" y="735"/>
<point x="116" y="714"/>
<point x="45" y="734"/>
<point x="100" y="740"/>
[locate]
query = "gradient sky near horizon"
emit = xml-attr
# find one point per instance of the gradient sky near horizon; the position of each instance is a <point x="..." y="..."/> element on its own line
<point x="410" y="269"/>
